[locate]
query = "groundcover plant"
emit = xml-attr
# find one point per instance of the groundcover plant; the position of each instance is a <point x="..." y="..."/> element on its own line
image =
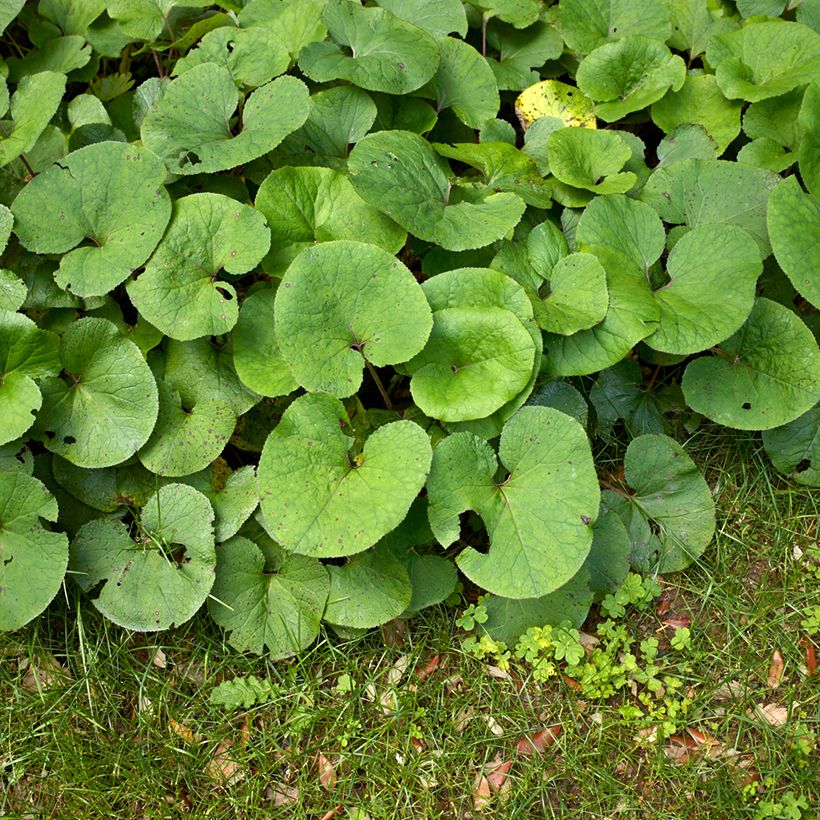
<point x="314" y="310"/>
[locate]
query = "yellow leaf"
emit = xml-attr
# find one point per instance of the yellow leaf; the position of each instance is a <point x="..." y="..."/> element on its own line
<point x="551" y="98"/>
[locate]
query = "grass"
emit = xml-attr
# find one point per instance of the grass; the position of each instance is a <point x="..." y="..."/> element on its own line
<point x="122" y="724"/>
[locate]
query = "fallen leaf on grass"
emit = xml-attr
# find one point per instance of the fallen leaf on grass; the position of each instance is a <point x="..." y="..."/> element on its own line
<point x="329" y="815"/>
<point x="677" y="622"/>
<point x="498" y="673"/>
<point x="327" y="772"/>
<point x="538" y="741"/>
<point x="424" y="672"/>
<point x="159" y="659"/>
<point x="180" y="730"/>
<point x="492" y="724"/>
<point x="223" y="767"/>
<point x="772" y="713"/>
<point x="393" y="632"/>
<point x="695" y="745"/>
<point x="42" y="673"/>
<point x="490" y="781"/>
<point x="282" y="795"/>
<point x="775" y="674"/>
<point x="729" y="691"/>
<point x="811" y="657"/>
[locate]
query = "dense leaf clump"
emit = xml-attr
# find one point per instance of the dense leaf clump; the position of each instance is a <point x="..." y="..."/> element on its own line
<point x="318" y="310"/>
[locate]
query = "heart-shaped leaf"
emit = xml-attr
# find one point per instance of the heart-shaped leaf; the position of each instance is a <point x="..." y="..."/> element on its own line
<point x="345" y="303"/>
<point x="319" y="499"/>
<point x="161" y="579"/>
<point x="670" y="513"/>
<point x="628" y="75"/>
<point x="399" y="173"/>
<point x="32" y="559"/>
<point x="33" y="104"/>
<point x="590" y="159"/>
<point x="538" y="518"/>
<point x="371" y="589"/>
<point x="793" y="217"/>
<point x="256" y="355"/>
<point x="178" y="292"/>
<point x="26" y="353"/>
<point x="555" y="100"/>
<point x="111" y="203"/>
<point x="587" y="24"/>
<point x="103" y="407"/>
<point x="464" y="82"/>
<point x="438" y="17"/>
<point x="697" y="192"/>
<point x="766" y="375"/>
<point x="765" y="60"/>
<point x="372" y="49"/>
<point x="794" y="448"/>
<point x="275" y="608"/>
<point x="109" y="488"/>
<point x="233" y="495"/>
<point x="710" y="265"/>
<point x="197" y="137"/>
<point x="308" y="205"/>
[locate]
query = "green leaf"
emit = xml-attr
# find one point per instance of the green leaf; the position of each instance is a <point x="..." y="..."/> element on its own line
<point x="563" y="397"/>
<point x="632" y="315"/>
<point x="687" y="141"/>
<point x="146" y="19"/>
<point x="519" y="52"/>
<point x="477" y="289"/>
<point x="243" y="693"/>
<point x="766" y="375"/>
<point x="345" y="303"/>
<point x="296" y="23"/>
<point x="695" y="23"/>
<point x="603" y="571"/>
<point x="625" y="225"/>
<point x="464" y="82"/>
<point x="794" y="448"/>
<point x="577" y="298"/>
<point x="32" y="106"/>
<point x="26" y="353"/>
<point x="793" y="217"/>
<point x="504" y="168"/>
<point x="104" y="408"/>
<point x="203" y="369"/>
<point x="438" y="17"/>
<point x="672" y="500"/>
<point x="256" y="355"/>
<point x="189" y="127"/>
<point x="385" y="53"/>
<point x="476" y="360"/>
<point x="304" y="206"/>
<point x="808" y="151"/>
<point x="106" y="489"/>
<point x="403" y="114"/>
<point x="710" y="265"/>
<point x="704" y="192"/>
<point x="275" y="608"/>
<point x="699" y="101"/>
<point x="519" y="13"/>
<point x="112" y="204"/>
<point x="775" y="119"/>
<point x="233" y="495"/>
<point x="400" y="173"/>
<point x="339" y="117"/>
<point x="178" y="292"/>
<point x="8" y="11"/>
<point x="618" y="394"/>
<point x="32" y="559"/>
<point x="160" y="580"/>
<point x="538" y="518"/>
<point x="590" y="159"/>
<point x="765" y="59"/>
<point x="186" y="438"/>
<point x="628" y="75"/>
<point x="13" y="291"/>
<point x="56" y="54"/>
<point x="319" y="499"/>
<point x="371" y="589"/>
<point x="587" y="24"/>
<point x="253" y="56"/>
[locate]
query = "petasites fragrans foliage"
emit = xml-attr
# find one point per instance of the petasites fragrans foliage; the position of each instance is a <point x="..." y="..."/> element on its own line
<point x="312" y="311"/>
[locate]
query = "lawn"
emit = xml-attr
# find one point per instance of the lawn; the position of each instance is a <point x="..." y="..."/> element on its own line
<point x="403" y="722"/>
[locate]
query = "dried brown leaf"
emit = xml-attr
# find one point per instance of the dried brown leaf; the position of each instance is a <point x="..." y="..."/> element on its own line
<point x="326" y="771"/>
<point x="180" y="730"/>
<point x="775" y="674"/>
<point x="282" y="795"/>
<point x="772" y="713"/>
<point x="424" y="672"/>
<point x="538" y="741"/>
<point x="497" y="772"/>
<point x="42" y="673"/>
<point x="481" y="792"/>
<point x="223" y="767"/>
<point x="811" y="657"/>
